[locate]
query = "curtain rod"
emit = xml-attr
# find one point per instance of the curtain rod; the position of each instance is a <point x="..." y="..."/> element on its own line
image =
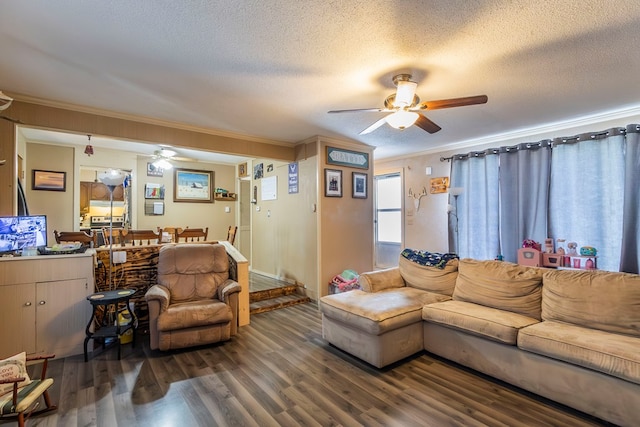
<point x="547" y="143"/>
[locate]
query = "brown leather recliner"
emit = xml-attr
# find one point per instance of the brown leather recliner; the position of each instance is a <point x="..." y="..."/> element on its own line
<point x="194" y="302"/>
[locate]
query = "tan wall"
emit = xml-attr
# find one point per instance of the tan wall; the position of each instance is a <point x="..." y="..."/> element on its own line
<point x="57" y="205"/>
<point x="284" y="243"/>
<point x="183" y="214"/>
<point x="346" y="228"/>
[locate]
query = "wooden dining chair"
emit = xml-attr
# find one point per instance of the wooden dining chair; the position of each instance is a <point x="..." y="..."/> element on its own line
<point x="141" y="237"/>
<point x="87" y="239"/>
<point x="231" y="234"/>
<point x="171" y="230"/>
<point x="116" y="238"/>
<point x="192" y="234"/>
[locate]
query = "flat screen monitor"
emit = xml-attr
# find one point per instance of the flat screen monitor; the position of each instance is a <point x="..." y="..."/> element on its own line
<point x="21" y="232"/>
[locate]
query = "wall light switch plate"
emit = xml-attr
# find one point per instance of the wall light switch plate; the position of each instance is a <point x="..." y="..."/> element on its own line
<point x="119" y="257"/>
<point x="227" y="209"/>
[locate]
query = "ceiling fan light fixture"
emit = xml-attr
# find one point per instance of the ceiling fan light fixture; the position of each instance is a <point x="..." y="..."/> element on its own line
<point x="404" y="94"/>
<point x="162" y="164"/>
<point x="402" y="119"/>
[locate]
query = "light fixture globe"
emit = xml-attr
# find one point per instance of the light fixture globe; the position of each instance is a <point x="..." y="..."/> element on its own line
<point x="163" y="164"/>
<point x="402" y="119"/>
<point x="112" y="177"/>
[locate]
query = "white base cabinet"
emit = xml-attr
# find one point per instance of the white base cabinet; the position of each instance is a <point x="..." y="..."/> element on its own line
<point x="43" y="303"/>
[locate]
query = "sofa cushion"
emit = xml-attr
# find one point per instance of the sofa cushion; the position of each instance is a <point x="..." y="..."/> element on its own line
<point x="194" y="313"/>
<point x="613" y="354"/>
<point x="487" y="322"/>
<point x="501" y="285"/>
<point x="593" y="299"/>
<point x="427" y="278"/>
<point x="378" y="312"/>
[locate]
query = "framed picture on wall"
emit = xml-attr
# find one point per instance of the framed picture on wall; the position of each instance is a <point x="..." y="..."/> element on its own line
<point x="191" y="185"/>
<point x="332" y="183"/>
<point x="49" y="180"/>
<point x="359" y="187"/>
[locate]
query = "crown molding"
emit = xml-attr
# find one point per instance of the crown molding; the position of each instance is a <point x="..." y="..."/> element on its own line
<point x="629" y="112"/>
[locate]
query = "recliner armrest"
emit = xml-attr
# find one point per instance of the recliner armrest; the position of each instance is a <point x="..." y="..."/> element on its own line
<point x="160" y="294"/>
<point x="227" y="288"/>
<point x="375" y="281"/>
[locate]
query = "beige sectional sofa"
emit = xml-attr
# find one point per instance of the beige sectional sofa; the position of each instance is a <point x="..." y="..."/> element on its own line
<point x="571" y="336"/>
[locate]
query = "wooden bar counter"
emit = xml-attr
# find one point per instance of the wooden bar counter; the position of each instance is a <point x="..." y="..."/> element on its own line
<point x="140" y="272"/>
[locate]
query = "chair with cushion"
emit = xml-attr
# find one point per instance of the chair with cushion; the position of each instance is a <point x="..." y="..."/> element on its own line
<point x="231" y="234"/>
<point x="192" y="234"/>
<point x="20" y="395"/>
<point x="86" y="239"/>
<point x="194" y="302"/>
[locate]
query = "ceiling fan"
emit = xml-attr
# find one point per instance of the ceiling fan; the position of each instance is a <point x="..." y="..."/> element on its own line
<point x="405" y="104"/>
<point x="163" y="157"/>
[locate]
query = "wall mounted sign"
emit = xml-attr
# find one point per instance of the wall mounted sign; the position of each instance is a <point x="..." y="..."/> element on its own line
<point x="439" y="185"/>
<point x="293" y="177"/>
<point x="341" y="157"/>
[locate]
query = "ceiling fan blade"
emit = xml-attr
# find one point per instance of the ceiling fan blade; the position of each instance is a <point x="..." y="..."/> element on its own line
<point x="454" y="102"/>
<point x="374" y="126"/>
<point x="427" y="124"/>
<point x="357" y="110"/>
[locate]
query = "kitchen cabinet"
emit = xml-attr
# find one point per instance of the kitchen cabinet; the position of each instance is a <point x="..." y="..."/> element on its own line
<point x="85" y="196"/>
<point x="44" y="303"/>
<point x="99" y="191"/>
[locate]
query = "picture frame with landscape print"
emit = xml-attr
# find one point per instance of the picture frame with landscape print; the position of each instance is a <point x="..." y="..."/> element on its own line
<point x="191" y="185"/>
<point x="359" y="186"/>
<point x="49" y="180"/>
<point x="332" y="183"/>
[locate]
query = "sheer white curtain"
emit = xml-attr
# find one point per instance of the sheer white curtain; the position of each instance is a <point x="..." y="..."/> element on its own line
<point x="587" y="194"/>
<point x="524" y="195"/>
<point x="475" y="212"/>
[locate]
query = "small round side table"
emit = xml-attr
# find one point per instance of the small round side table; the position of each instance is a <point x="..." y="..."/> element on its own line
<point x="101" y="301"/>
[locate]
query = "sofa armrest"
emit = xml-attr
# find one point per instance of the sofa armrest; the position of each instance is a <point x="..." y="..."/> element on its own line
<point x="227" y="289"/>
<point x="375" y="281"/>
<point x="158" y="298"/>
<point x="229" y="293"/>
<point x="159" y="295"/>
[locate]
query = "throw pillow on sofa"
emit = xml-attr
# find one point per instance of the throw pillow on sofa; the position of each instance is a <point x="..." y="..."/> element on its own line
<point x="427" y="278"/>
<point x="501" y="285"/>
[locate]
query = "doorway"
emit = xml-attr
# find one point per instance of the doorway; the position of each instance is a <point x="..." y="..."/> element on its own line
<point x="388" y="219"/>
<point x="244" y="224"/>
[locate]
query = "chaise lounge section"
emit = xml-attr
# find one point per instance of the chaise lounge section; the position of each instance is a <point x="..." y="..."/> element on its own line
<point x="570" y="336"/>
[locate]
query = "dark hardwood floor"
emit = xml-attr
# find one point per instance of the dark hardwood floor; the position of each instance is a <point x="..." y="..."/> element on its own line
<point x="279" y="371"/>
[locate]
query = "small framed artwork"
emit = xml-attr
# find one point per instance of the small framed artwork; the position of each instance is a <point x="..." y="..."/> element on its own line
<point x="359" y="185"/>
<point x="153" y="170"/>
<point x="332" y="183"/>
<point x="258" y="171"/>
<point x="242" y="170"/>
<point x="190" y="185"/>
<point x="49" y="180"/>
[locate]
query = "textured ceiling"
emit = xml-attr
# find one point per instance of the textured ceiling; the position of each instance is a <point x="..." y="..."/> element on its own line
<point x="272" y="69"/>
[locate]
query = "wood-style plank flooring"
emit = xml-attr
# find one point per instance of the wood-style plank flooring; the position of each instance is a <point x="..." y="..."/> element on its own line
<point x="278" y="371"/>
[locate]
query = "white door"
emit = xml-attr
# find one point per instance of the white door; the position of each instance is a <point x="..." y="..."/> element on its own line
<point x="388" y="219"/>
